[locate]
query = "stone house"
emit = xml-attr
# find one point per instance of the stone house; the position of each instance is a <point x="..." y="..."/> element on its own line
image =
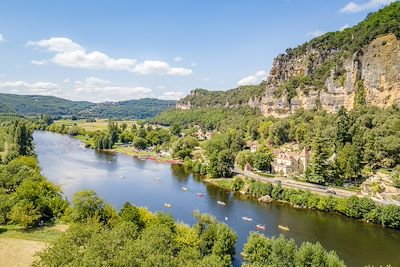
<point x="287" y="162"/>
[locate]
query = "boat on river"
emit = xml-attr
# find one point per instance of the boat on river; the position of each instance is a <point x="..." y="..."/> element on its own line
<point x="167" y="205"/>
<point x="283" y="228"/>
<point x="226" y="218"/>
<point x="244" y="218"/>
<point x="158" y="179"/>
<point x="199" y="194"/>
<point x="185" y="189"/>
<point x="221" y="203"/>
<point x="260" y="227"/>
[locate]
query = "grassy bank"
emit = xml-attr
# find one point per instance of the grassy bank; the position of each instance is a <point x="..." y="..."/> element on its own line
<point x="18" y="246"/>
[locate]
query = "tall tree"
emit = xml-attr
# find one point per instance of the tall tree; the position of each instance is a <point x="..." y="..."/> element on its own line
<point x="316" y="171"/>
<point x="342" y="129"/>
<point x="23" y="139"/>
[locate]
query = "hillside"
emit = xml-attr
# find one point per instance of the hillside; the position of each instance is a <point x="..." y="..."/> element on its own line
<point x="32" y="105"/>
<point x="357" y="66"/>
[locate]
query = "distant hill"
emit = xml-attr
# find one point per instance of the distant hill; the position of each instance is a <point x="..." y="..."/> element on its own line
<point x="32" y="105"/>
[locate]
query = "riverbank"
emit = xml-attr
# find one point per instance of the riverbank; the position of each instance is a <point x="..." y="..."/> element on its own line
<point x="355" y="207"/>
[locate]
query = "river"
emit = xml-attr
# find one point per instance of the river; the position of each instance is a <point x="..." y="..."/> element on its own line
<point x="119" y="178"/>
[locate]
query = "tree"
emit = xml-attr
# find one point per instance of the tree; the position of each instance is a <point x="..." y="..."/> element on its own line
<point x="25" y="213"/>
<point x="113" y="131"/>
<point x="221" y="164"/>
<point x="342" y="129"/>
<point x="140" y="143"/>
<point x="262" y="160"/>
<point x="244" y="157"/>
<point x="316" y="171"/>
<point x="23" y="139"/>
<point x="176" y="129"/>
<point x="348" y="162"/>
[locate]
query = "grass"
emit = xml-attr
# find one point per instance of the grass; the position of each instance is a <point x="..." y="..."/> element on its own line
<point x="100" y="124"/>
<point x="18" y="246"/>
<point x="130" y="151"/>
<point x="42" y="234"/>
<point x="225" y="183"/>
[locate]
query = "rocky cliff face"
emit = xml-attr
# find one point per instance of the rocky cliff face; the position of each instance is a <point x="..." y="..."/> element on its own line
<point x="376" y="68"/>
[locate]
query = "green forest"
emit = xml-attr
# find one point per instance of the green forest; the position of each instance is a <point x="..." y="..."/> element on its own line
<point x="36" y="105"/>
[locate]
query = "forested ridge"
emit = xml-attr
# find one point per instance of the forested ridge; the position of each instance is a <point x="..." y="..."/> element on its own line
<point x="34" y="105"/>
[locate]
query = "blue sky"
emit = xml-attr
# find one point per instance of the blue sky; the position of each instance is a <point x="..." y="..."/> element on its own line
<point x="118" y="50"/>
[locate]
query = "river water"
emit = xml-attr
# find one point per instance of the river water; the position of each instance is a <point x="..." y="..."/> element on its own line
<point x="119" y="178"/>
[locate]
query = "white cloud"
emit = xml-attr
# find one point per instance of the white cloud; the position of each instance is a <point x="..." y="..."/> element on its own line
<point x="344" y="27"/>
<point x="56" y="44"/>
<point x="99" y="90"/>
<point x="66" y="80"/>
<point x="1" y="38"/>
<point x="21" y="87"/>
<point x="160" y="67"/>
<point x="193" y="64"/>
<point x="172" y="95"/>
<point x="39" y="62"/>
<point x="71" y="54"/>
<point x="315" y="33"/>
<point x="256" y="78"/>
<point x="353" y="7"/>
<point x="178" y="59"/>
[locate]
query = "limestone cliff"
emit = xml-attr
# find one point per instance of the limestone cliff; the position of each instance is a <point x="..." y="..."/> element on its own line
<point x="375" y="67"/>
<point x="357" y="66"/>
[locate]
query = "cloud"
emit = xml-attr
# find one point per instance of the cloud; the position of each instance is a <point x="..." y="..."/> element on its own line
<point x="178" y="59"/>
<point x="56" y="44"/>
<point x="344" y="27"/>
<point x="1" y="38"/>
<point x="256" y="78"/>
<point x="99" y="90"/>
<point x="21" y="87"/>
<point x="353" y="7"/>
<point x="39" y="62"/>
<point x="70" y="54"/>
<point x="172" y="95"/>
<point x="315" y="33"/>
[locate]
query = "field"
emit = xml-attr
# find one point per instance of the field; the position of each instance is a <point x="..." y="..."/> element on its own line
<point x="17" y="247"/>
<point x="100" y="124"/>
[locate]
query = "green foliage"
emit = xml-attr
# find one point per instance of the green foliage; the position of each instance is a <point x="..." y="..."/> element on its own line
<point x="395" y="175"/>
<point x="88" y="206"/>
<point x="27" y="198"/>
<point x="355" y="207"/>
<point x="209" y="118"/>
<point x="183" y="147"/>
<point x="221" y="164"/>
<point x="217" y="99"/>
<point x="159" y="242"/>
<point x="359" y="98"/>
<point x="36" y="105"/>
<point x="280" y="252"/>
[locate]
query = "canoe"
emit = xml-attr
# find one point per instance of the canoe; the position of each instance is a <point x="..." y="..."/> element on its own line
<point x="184" y="189"/>
<point x="167" y="205"/>
<point x="221" y="203"/>
<point x="247" y="219"/>
<point x="284" y="228"/>
<point x="199" y="194"/>
<point x="260" y="227"/>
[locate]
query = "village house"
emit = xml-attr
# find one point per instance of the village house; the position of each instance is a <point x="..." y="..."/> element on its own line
<point x="254" y="146"/>
<point x="287" y="162"/>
